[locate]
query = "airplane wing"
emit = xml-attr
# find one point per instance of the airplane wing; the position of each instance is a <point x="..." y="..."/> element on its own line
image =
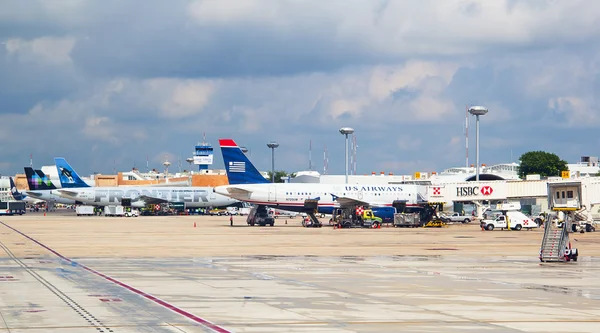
<point x="349" y="201"/>
<point x="68" y="193"/>
<point x="236" y="191"/>
<point x="151" y="200"/>
<point x="33" y="194"/>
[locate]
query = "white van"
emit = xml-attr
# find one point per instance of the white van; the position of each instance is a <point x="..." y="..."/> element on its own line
<point x="513" y="219"/>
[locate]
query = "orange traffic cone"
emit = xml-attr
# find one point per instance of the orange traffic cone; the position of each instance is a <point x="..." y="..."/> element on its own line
<point x="194" y="224"/>
<point x="44" y="213"/>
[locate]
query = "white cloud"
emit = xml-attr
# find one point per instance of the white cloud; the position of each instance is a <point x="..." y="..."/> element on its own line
<point x="576" y="111"/>
<point x="413" y="28"/>
<point x="51" y="50"/>
<point x="180" y="98"/>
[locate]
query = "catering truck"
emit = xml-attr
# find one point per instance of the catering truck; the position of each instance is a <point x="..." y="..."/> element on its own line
<point x="513" y="220"/>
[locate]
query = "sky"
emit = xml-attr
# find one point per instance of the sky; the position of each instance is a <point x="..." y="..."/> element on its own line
<point x="110" y="84"/>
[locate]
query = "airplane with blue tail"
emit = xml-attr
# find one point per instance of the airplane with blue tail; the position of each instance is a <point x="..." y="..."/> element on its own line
<point x="249" y="185"/>
<point x="20" y="196"/>
<point x="67" y="175"/>
<point x="42" y="188"/>
<point x="73" y="187"/>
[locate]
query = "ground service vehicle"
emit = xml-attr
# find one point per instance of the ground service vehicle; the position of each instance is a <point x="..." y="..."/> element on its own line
<point x="83" y="210"/>
<point x="457" y="217"/>
<point x="114" y="210"/>
<point x="355" y="217"/>
<point x="277" y="213"/>
<point x="260" y="215"/>
<point x="514" y="220"/>
<point x="218" y="212"/>
<point x="425" y="214"/>
<point x="385" y="213"/>
<point x="131" y="213"/>
<point x="12" y="207"/>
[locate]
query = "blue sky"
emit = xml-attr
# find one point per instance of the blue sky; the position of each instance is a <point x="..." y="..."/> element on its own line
<point x="107" y="83"/>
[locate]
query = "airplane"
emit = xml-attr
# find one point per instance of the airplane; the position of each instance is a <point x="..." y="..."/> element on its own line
<point x="20" y="196"/>
<point x="247" y="184"/>
<point x="67" y="176"/>
<point x="138" y="196"/>
<point x="40" y="187"/>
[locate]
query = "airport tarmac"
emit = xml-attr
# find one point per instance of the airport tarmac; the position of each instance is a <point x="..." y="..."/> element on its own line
<point x="62" y="273"/>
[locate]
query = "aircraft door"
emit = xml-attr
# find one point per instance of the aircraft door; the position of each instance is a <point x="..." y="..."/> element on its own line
<point x="272" y="193"/>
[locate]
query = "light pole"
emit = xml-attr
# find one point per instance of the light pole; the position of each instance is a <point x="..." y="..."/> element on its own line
<point x="345" y="131"/>
<point x="272" y="145"/>
<point x="190" y="160"/>
<point x="477" y="111"/>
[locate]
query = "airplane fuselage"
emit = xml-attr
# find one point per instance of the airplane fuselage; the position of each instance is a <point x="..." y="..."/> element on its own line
<point x="194" y="197"/>
<point x="50" y="196"/>
<point x="291" y="196"/>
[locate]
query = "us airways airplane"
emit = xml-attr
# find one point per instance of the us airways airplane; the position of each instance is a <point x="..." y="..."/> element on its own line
<point x="138" y="196"/>
<point x="247" y="184"/>
<point x="40" y="187"/>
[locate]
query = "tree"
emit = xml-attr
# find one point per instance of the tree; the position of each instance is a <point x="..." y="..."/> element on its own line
<point x="541" y="163"/>
<point x="280" y="174"/>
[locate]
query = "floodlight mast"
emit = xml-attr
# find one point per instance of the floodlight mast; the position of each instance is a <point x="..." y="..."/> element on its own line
<point x="477" y="111"/>
<point x="346" y="131"/>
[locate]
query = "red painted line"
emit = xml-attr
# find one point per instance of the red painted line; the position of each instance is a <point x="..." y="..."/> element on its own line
<point x="156" y="300"/>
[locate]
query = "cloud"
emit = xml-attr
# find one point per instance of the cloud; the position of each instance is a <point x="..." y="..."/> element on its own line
<point x="48" y="50"/>
<point x="114" y="81"/>
<point x="184" y="98"/>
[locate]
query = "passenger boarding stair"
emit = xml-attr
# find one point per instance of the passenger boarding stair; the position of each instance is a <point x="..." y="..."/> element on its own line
<point x="555" y="244"/>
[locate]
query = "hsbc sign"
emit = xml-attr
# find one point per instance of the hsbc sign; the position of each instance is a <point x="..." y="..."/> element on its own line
<point x="471" y="191"/>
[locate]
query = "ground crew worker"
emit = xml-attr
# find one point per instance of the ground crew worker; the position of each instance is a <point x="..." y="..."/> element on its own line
<point x="231" y="220"/>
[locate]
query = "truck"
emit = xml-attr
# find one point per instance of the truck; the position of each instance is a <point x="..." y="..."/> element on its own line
<point x="85" y="210"/>
<point x="277" y="213"/>
<point x="457" y="217"/>
<point x="12" y="208"/>
<point x="513" y="220"/>
<point x="244" y="211"/>
<point x="260" y="215"/>
<point x="114" y="210"/>
<point x="218" y="212"/>
<point x="355" y="217"/>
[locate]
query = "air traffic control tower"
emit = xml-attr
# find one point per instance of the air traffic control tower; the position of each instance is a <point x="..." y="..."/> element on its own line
<point x="203" y="155"/>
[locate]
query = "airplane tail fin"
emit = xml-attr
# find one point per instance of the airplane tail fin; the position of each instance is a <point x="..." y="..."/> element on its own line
<point x="38" y="180"/>
<point x="13" y="190"/>
<point x="68" y="177"/>
<point x="238" y="167"/>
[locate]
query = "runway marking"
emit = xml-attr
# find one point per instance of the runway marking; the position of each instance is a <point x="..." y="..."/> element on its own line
<point x="191" y="316"/>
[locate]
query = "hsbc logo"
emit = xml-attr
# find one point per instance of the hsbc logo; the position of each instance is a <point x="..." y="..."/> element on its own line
<point x="487" y="190"/>
<point x="469" y="191"/>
